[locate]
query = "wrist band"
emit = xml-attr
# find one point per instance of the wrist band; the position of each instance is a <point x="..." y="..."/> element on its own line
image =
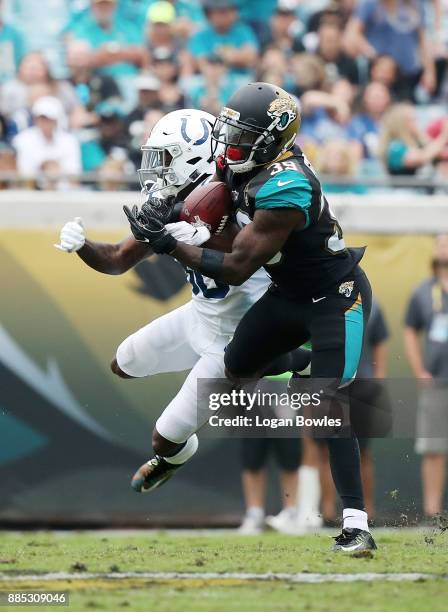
<point x="212" y="263"/>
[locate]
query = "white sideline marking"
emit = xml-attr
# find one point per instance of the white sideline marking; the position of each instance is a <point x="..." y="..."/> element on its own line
<point x="299" y="577"/>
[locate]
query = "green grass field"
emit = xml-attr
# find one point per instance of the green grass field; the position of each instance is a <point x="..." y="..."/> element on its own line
<point x="401" y="551"/>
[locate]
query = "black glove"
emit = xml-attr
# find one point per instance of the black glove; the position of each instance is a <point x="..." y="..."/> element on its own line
<point x="151" y="230"/>
<point x="158" y="208"/>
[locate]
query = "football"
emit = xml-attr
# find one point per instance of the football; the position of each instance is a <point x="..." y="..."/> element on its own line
<point x="209" y="205"/>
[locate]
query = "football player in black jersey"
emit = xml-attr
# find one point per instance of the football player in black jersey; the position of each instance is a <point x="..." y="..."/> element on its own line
<point x="319" y="292"/>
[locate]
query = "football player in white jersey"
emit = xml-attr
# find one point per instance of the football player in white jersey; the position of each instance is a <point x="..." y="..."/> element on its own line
<point x="176" y="158"/>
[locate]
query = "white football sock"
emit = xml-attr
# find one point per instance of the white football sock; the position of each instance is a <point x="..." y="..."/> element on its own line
<point x="355" y="519"/>
<point x="308" y="494"/>
<point x="186" y="452"/>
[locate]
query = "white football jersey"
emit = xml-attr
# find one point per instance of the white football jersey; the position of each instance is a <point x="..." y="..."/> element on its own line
<point x="220" y="306"/>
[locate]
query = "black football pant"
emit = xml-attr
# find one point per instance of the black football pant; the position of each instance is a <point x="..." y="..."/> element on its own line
<point x="334" y="322"/>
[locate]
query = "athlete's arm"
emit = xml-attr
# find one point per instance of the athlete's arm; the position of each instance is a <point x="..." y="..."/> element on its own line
<point x="103" y="257"/>
<point x="114" y="258"/>
<point x="253" y="247"/>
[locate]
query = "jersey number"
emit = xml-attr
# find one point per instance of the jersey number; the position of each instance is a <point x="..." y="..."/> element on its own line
<point x="199" y="286"/>
<point x="281" y="166"/>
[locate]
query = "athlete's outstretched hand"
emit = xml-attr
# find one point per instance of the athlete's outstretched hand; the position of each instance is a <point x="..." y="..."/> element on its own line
<point x="148" y="229"/>
<point x="72" y="236"/>
<point x="162" y="209"/>
<point x="190" y="234"/>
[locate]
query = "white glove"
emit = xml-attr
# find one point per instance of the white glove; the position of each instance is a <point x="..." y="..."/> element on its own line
<point x="190" y="234"/>
<point x="72" y="236"/>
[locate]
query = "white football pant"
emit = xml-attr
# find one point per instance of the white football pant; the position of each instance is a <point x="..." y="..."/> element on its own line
<point x="177" y="341"/>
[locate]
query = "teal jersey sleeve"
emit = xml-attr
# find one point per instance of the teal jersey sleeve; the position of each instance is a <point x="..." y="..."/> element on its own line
<point x="286" y="189"/>
<point x="395" y="155"/>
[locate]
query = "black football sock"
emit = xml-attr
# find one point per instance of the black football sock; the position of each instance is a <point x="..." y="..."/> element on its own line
<point x="345" y="466"/>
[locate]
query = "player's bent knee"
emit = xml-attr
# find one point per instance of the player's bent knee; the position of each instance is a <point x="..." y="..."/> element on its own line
<point x="233" y="370"/>
<point x="129" y="361"/>
<point x="118" y="371"/>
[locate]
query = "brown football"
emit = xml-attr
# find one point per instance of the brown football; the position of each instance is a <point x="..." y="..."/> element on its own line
<point x="210" y="205"/>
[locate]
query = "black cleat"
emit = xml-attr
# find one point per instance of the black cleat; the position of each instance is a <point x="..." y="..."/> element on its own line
<point x="153" y="474"/>
<point x="354" y="540"/>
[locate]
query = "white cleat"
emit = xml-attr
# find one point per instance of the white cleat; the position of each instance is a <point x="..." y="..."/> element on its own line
<point x="284" y="522"/>
<point x="252" y="525"/>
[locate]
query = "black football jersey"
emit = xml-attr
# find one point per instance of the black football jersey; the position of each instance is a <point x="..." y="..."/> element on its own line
<point x="313" y="258"/>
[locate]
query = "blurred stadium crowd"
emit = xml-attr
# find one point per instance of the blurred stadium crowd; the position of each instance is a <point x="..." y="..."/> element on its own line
<point x="83" y="81"/>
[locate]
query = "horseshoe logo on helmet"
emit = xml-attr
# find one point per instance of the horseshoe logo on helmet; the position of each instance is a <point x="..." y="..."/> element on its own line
<point x="200" y="140"/>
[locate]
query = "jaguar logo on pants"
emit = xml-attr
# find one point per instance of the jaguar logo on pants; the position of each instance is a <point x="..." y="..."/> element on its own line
<point x="346" y="288"/>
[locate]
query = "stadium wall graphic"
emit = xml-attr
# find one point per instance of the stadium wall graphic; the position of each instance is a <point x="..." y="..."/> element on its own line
<point x="71" y="434"/>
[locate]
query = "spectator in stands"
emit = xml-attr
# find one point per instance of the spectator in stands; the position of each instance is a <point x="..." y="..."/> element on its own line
<point x="47" y="141"/>
<point x="148" y="87"/>
<point x="308" y="73"/>
<point x="90" y="86"/>
<point x="433" y="131"/>
<point x="34" y="72"/>
<point x="7" y="153"/>
<point x="110" y="139"/>
<point x="403" y="147"/>
<point x="365" y="125"/>
<point x="49" y="177"/>
<point x="149" y="121"/>
<point x="8" y="164"/>
<point x="213" y="88"/>
<point x="328" y="46"/>
<point x="275" y="67"/>
<point x="112" y="127"/>
<point x="384" y="69"/>
<point x="114" y="167"/>
<point x="338" y="65"/>
<point x="257" y="13"/>
<point x="336" y="12"/>
<point x="11" y="49"/>
<point x="427" y="317"/>
<point x="336" y="159"/>
<point x="327" y="116"/>
<point x="166" y="69"/>
<point x="396" y="28"/>
<point x="3" y="130"/>
<point x="116" y="43"/>
<point x="40" y="24"/>
<point x="160" y="33"/>
<point x="226" y="38"/>
<point x="139" y="132"/>
<point x="286" y="29"/>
